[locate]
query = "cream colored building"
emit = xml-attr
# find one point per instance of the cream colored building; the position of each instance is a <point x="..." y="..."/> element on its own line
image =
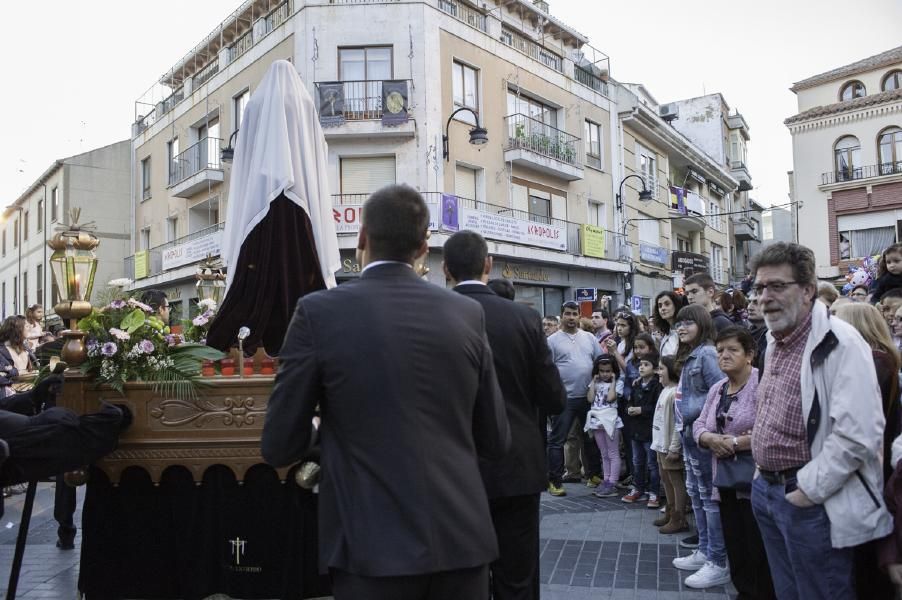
<point x="98" y="183"/>
<point x="542" y="190"/>
<point x="847" y="161"/>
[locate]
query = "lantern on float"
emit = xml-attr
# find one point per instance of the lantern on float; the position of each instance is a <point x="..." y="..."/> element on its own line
<point x="211" y="280"/>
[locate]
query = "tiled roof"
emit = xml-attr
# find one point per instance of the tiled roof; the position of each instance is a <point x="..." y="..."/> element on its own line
<point x="848" y="105"/>
<point x="873" y="62"/>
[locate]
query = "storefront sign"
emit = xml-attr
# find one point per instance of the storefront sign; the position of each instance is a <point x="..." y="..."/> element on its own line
<point x="142" y="264"/>
<point x="347" y="217"/>
<point x="350" y="266"/>
<point x="192" y="251"/>
<point x="688" y="262"/>
<point x="654" y="254"/>
<point x="586" y="294"/>
<point x="509" y="229"/>
<point x="527" y="273"/>
<point x="593" y="241"/>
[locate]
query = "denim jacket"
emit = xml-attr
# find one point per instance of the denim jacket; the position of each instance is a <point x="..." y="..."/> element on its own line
<point x="699" y="373"/>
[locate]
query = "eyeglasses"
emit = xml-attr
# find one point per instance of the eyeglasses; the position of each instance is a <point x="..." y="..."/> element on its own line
<point x="683" y="323"/>
<point x="859" y="293"/>
<point x="776" y="287"/>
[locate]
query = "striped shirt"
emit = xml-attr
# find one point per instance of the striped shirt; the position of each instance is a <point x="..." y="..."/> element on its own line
<point x="779" y="438"/>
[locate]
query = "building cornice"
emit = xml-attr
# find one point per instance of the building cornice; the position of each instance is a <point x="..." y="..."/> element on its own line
<point x="844" y="118"/>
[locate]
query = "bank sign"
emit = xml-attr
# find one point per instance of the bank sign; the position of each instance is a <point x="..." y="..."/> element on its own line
<point x="192" y="251"/>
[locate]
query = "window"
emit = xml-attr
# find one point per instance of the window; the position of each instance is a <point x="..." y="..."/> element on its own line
<point x="852" y="90"/>
<point x="145" y="178"/>
<point x="54" y="292"/>
<point x="16" y="233"/>
<point x="203" y="215"/>
<point x="172" y="226"/>
<point x="892" y="81"/>
<point x="597" y="215"/>
<point x="25" y="225"/>
<point x="737" y="149"/>
<point x="363" y="70"/>
<point x="465" y="81"/>
<point x="683" y="244"/>
<point x="847" y="158"/>
<point x="239" y="103"/>
<point x="718" y="273"/>
<point x="145" y="238"/>
<point x="465" y="182"/>
<point x="15" y="295"/>
<point x="539" y="208"/>
<point x="646" y="163"/>
<point x="40" y="215"/>
<point x="858" y="243"/>
<point x="363" y="176"/>
<point x="25" y="288"/>
<point x="592" y="134"/>
<point x="172" y="151"/>
<point x="649" y="231"/>
<point x="39" y="285"/>
<point x="54" y="205"/>
<point x="519" y="104"/>
<point x="890" y="147"/>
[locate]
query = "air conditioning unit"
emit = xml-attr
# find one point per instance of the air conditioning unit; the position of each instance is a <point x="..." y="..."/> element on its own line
<point x="669" y="112"/>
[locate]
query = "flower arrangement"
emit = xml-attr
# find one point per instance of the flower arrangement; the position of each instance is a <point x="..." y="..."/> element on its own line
<point x="127" y="341"/>
<point x="195" y="330"/>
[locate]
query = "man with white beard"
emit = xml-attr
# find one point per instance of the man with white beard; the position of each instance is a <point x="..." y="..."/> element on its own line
<point x="817" y="436"/>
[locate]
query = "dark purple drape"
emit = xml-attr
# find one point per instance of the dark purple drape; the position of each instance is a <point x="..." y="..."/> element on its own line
<point x="277" y="265"/>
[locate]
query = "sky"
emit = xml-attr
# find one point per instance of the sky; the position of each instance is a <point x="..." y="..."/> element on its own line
<point x="71" y="81"/>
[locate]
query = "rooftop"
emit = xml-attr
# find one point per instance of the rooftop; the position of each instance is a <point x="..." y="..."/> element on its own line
<point x="867" y="64"/>
<point x="846" y="106"/>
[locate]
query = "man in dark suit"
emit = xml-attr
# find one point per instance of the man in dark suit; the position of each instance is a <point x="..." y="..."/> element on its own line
<point x="403" y="376"/>
<point x="532" y="388"/>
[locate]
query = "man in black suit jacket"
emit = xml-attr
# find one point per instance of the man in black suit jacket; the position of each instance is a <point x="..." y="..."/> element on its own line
<point x="532" y="388"/>
<point x="403" y="375"/>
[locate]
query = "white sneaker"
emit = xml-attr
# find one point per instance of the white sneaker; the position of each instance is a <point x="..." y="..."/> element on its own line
<point x="709" y="575"/>
<point x="693" y="562"/>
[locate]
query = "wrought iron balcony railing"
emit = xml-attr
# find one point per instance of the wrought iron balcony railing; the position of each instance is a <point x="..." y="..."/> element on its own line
<point x="866" y="172"/>
<point x="362" y="99"/>
<point x="464" y="13"/>
<point x="530" y="48"/>
<point x="202" y="155"/>
<point x="526" y="133"/>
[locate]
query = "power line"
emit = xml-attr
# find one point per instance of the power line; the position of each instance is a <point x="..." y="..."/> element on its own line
<point x="735" y="212"/>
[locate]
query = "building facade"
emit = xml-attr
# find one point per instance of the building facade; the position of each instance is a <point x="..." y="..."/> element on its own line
<point x="847" y="161"/>
<point x="392" y="80"/>
<point x="98" y="183"/>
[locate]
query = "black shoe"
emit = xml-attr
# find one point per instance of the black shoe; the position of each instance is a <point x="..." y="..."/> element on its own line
<point x="571" y="479"/>
<point x="65" y="544"/>
<point x="690" y="542"/>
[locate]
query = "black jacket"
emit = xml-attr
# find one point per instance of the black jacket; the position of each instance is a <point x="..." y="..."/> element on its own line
<point x="884" y="284"/>
<point x="532" y="389"/>
<point x="721" y="320"/>
<point x="645" y="396"/>
<point x="403" y="375"/>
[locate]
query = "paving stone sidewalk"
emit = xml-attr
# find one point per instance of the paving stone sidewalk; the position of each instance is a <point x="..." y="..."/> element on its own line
<point x="591" y="549"/>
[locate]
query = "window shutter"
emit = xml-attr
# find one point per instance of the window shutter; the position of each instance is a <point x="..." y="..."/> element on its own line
<point x="465" y="182"/>
<point x="366" y="175"/>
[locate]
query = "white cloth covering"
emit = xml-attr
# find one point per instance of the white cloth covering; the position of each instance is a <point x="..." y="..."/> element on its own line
<point x="280" y="148"/>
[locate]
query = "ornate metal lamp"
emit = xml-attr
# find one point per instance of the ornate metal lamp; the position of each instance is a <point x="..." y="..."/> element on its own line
<point x="210" y="280"/>
<point x="74" y="265"/>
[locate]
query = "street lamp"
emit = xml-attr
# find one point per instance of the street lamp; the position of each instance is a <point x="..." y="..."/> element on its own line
<point x="478" y="135"/>
<point x="644" y="195"/>
<point x="228" y="153"/>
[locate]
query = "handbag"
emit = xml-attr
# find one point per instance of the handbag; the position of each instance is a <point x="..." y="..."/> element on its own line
<point x="734" y="473"/>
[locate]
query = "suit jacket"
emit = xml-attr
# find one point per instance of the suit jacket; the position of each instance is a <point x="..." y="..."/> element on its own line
<point x="403" y="376"/>
<point x="532" y="389"/>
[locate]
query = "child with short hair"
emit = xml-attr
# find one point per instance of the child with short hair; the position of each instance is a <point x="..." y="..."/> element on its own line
<point x="603" y="420"/>
<point x="665" y="441"/>
<point x="640" y="413"/>
<point x="889" y="272"/>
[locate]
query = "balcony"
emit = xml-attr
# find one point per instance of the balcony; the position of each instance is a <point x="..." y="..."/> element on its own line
<point x="535" y="145"/>
<point x="857" y="173"/>
<point x="500" y="223"/>
<point x="745" y="231"/>
<point x="353" y="109"/>
<point x="182" y="251"/>
<point x="519" y="42"/>
<point x="740" y="171"/>
<point x="465" y="14"/>
<point x="196" y="168"/>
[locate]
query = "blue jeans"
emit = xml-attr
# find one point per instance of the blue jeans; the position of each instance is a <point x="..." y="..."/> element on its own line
<point x="575" y="410"/>
<point x="699" y="486"/>
<point x="645" y="459"/>
<point x="803" y="562"/>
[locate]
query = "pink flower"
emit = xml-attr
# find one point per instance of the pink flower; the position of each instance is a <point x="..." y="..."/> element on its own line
<point x="119" y="334"/>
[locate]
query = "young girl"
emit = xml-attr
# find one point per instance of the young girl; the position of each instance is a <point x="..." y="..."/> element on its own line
<point x="604" y="421"/>
<point x="889" y="272"/>
<point x="665" y="440"/>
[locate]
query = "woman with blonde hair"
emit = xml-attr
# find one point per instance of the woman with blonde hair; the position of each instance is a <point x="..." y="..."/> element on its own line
<point x="870" y="581"/>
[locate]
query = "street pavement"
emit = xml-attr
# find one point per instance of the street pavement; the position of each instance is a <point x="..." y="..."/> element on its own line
<point x="591" y="548"/>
